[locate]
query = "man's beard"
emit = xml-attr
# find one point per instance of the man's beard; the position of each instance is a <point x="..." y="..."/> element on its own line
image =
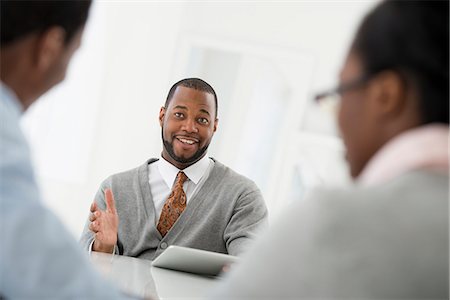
<point x="189" y="160"/>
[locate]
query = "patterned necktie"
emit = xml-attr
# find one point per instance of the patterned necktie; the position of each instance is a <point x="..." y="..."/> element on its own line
<point x="174" y="205"/>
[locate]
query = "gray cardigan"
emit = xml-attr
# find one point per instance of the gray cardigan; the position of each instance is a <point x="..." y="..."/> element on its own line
<point x="222" y="216"/>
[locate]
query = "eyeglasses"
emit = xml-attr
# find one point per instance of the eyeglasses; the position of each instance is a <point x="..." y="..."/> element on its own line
<point x="329" y="100"/>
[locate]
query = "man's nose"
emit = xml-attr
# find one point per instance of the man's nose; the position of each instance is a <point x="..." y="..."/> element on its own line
<point x="189" y="125"/>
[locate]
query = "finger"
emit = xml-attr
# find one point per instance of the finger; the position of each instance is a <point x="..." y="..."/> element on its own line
<point x="93" y="226"/>
<point x="226" y="268"/>
<point x="93" y="206"/>
<point x="110" y="204"/>
<point x="93" y="216"/>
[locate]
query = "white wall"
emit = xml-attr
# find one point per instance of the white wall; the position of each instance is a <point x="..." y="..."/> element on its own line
<point x="103" y="118"/>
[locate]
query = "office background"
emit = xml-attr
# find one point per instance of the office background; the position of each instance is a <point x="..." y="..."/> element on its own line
<point x="266" y="59"/>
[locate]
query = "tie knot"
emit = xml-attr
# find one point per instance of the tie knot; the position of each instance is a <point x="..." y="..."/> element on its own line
<point x="181" y="178"/>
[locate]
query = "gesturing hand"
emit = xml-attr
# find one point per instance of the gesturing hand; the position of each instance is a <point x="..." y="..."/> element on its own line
<point x="104" y="224"/>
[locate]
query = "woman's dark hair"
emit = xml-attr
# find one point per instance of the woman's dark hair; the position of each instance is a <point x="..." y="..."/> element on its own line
<point x="20" y="18"/>
<point x="411" y="38"/>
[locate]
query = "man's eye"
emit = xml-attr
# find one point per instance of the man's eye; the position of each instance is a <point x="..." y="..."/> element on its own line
<point x="178" y="115"/>
<point x="203" y="121"/>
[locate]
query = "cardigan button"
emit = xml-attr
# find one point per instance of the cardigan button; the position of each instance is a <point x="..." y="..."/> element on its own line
<point x="163" y="245"/>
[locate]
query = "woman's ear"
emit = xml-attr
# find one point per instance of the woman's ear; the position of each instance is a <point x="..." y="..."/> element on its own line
<point x="387" y="94"/>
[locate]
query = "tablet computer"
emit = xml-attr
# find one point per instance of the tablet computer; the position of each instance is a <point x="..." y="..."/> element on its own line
<point x="193" y="260"/>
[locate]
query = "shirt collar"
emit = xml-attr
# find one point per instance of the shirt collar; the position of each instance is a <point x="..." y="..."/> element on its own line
<point x="10" y="98"/>
<point x="194" y="172"/>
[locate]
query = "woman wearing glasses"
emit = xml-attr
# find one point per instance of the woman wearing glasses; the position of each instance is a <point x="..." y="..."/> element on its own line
<point x="386" y="236"/>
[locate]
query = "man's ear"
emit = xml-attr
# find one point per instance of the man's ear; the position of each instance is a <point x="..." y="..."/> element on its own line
<point x="162" y="113"/>
<point x="387" y="92"/>
<point x="216" y="123"/>
<point x="50" y="45"/>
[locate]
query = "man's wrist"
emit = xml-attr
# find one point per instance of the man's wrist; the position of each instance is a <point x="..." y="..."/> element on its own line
<point x="99" y="247"/>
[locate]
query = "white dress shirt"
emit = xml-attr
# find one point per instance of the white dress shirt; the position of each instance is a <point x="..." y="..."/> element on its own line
<point x="162" y="175"/>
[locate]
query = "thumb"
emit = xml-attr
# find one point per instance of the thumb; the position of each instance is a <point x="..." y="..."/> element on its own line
<point x="110" y="204"/>
<point x="93" y="206"/>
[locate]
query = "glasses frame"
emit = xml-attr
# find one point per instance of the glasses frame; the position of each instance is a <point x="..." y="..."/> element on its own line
<point x="342" y="88"/>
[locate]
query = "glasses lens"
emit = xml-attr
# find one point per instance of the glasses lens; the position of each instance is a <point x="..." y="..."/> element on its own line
<point x="330" y="103"/>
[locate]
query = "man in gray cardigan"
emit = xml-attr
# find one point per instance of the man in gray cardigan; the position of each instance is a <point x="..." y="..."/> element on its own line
<point x="133" y="211"/>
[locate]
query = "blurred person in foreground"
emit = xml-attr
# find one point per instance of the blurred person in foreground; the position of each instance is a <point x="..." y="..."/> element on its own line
<point x="39" y="259"/>
<point x="386" y="236"/>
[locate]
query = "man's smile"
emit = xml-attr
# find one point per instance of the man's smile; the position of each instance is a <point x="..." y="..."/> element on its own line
<point x="187" y="140"/>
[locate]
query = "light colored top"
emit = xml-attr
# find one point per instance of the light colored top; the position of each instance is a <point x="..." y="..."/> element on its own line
<point x="222" y="216"/>
<point x="38" y="257"/>
<point x="162" y="174"/>
<point x="387" y="240"/>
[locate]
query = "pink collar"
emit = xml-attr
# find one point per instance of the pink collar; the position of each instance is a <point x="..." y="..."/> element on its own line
<point x="424" y="147"/>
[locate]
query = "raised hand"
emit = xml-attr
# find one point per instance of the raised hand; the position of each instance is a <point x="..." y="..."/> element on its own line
<point x="104" y="224"/>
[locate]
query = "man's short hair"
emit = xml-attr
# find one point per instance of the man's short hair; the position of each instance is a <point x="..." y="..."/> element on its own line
<point x="193" y="83"/>
<point x="20" y="18"/>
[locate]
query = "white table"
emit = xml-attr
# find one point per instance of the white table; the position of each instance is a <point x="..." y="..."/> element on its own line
<point x="139" y="277"/>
